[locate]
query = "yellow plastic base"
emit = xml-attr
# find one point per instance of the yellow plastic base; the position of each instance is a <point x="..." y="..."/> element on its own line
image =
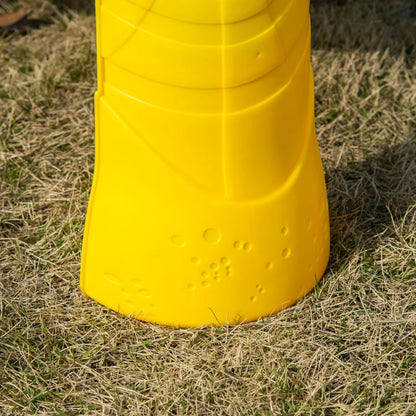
<point x="209" y="203"/>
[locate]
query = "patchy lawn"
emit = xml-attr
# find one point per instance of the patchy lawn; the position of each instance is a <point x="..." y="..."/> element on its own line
<point x="348" y="348"/>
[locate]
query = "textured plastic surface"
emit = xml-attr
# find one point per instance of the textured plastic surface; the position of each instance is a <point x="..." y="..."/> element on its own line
<point x="208" y="203"/>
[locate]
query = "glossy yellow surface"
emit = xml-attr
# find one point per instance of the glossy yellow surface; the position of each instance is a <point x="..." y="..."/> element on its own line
<point x="209" y="203"/>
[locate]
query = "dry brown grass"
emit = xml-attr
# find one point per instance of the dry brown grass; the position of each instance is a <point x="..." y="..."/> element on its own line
<point x="348" y="348"/>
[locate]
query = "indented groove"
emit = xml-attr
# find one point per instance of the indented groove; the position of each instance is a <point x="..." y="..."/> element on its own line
<point x="264" y="32"/>
<point x="267" y="5"/>
<point x="256" y="105"/>
<point x="127" y="40"/>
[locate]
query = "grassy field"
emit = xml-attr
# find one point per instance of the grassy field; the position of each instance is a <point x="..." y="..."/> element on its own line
<point x="348" y="348"/>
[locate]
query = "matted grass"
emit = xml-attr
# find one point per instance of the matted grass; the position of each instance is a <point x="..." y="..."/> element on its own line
<point x="348" y="348"/>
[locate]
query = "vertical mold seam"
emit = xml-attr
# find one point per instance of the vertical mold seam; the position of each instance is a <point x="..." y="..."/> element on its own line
<point x="224" y="100"/>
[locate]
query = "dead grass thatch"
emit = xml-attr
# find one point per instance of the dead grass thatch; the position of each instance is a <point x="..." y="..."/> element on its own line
<point x="348" y="348"/>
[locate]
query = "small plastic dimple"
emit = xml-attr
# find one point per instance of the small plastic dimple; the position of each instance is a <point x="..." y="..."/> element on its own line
<point x="238" y="245"/>
<point x="190" y="286"/>
<point x="248" y="247"/>
<point x="241" y="245"/>
<point x="309" y="225"/>
<point x="253" y="298"/>
<point x="260" y="289"/>
<point x="145" y="293"/>
<point x="112" y="279"/>
<point x="205" y="283"/>
<point x="136" y="283"/>
<point x="214" y="266"/>
<point x="195" y="260"/>
<point x="286" y="253"/>
<point x="205" y="275"/>
<point x="284" y="231"/>
<point x="212" y="236"/>
<point x="225" y="261"/>
<point x="178" y="241"/>
<point x="269" y="265"/>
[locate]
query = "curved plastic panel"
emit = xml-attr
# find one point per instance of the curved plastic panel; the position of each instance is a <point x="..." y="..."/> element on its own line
<point x="209" y="202"/>
<point x="205" y="11"/>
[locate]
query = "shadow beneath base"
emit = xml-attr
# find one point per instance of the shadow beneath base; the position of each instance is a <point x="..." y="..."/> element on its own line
<point x="371" y="197"/>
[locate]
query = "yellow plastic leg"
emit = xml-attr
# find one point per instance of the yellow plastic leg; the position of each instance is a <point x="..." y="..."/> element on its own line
<point x="209" y="203"/>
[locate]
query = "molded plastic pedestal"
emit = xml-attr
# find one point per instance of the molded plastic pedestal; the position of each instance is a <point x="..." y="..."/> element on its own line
<point x="209" y="203"/>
